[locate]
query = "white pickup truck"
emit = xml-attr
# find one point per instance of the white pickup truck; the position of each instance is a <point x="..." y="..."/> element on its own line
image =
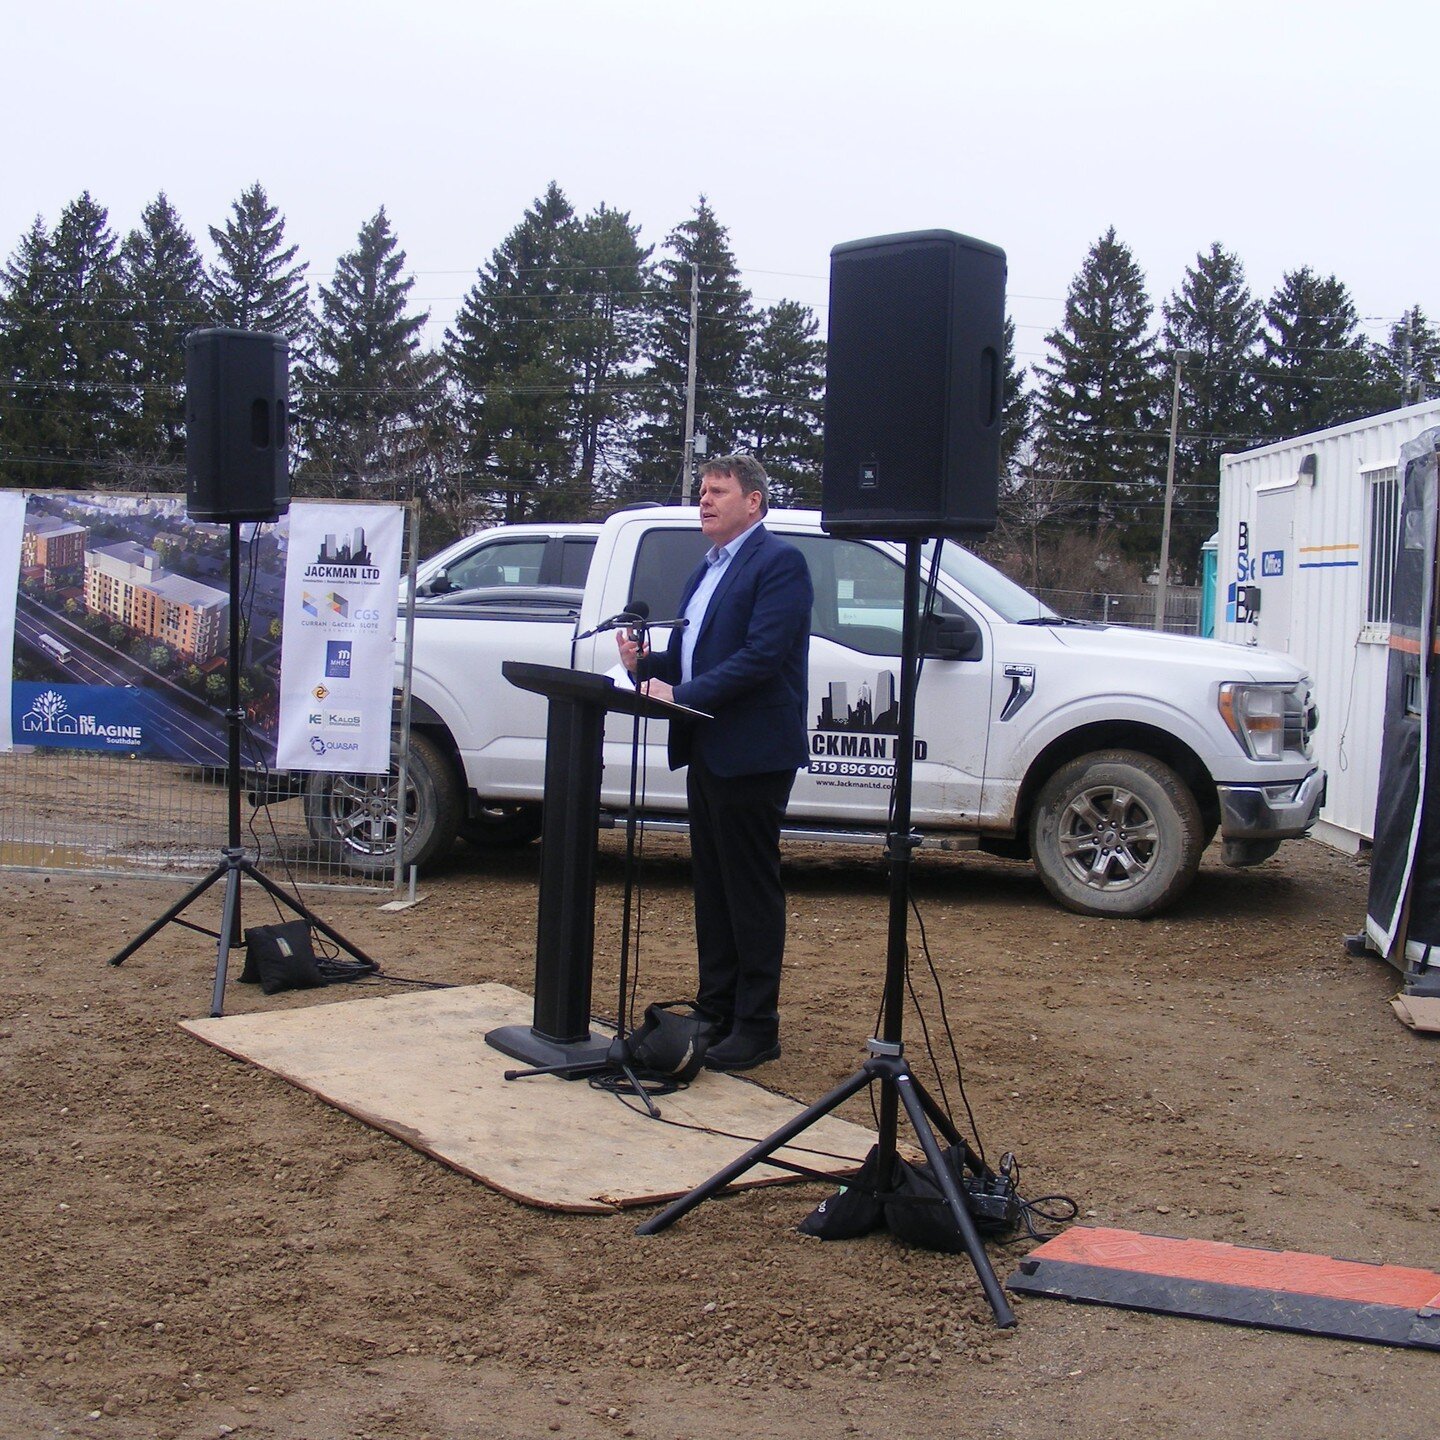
<point x="1108" y="756"/>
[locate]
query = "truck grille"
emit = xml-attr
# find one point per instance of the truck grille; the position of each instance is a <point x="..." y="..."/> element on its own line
<point x="1301" y="717"/>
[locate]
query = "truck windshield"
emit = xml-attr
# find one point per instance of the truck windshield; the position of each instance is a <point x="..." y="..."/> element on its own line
<point x="1002" y="595"/>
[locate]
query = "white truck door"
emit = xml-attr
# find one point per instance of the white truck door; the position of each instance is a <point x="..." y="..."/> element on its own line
<point x="853" y="720"/>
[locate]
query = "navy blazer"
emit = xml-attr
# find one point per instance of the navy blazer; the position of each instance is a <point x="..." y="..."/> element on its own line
<point x="750" y="666"/>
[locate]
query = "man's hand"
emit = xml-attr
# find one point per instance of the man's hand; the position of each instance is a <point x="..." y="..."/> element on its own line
<point x="659" y="690"/>
<point x="630" y="649"/>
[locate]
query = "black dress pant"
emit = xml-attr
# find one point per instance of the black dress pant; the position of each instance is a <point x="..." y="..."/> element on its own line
<point x="739" y="900"/>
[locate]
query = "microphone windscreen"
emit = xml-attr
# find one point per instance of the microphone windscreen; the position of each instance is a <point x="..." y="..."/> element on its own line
<point x="639" y="609"/>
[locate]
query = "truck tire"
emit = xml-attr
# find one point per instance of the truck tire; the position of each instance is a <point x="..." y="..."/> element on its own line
<point x="1116" y="833"/>
<point x="501" y="827"/>
<point x="354" y="816"/>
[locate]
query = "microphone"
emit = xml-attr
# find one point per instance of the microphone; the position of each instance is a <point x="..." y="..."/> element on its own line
<point x="640" y="608"/>
<point x="634" y="616"/>
<point x="641" y="611"/>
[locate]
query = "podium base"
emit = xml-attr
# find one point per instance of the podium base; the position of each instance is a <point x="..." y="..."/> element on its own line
<point x="526" y="1043"/>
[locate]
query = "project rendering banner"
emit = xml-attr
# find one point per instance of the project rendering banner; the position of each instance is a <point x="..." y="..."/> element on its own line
<point x="12" y="528"/>
<point x="342" y="577"/>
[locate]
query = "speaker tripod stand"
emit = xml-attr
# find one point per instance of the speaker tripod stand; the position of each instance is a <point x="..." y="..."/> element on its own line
<point x="886" y="1063"/>
<point x="233" y="864"/>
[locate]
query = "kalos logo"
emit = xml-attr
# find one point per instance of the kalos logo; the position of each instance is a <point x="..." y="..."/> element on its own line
<point x="337" y="662"/>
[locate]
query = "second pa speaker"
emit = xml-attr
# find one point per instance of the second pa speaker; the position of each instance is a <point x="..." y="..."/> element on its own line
<point x="913" y="380"/>
<point x="236" y="425"/>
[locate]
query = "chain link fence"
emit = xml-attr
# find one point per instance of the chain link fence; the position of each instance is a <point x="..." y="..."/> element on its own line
<point x="1182" y="607"/>
<point x="88" y="812"/>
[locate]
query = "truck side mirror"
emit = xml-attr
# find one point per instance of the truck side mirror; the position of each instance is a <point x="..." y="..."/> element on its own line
<point x="950" y="637"/>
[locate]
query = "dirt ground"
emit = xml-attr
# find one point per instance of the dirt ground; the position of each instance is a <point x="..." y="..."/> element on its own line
<point x="193" y="1248"/>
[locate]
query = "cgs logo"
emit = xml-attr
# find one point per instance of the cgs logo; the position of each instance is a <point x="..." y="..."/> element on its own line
<point x="365" y="615"/>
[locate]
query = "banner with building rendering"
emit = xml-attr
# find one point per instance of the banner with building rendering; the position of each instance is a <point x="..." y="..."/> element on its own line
<point x="121" y="629"/>
<point x="341" y="582"/>
<point x="12" y="528"/>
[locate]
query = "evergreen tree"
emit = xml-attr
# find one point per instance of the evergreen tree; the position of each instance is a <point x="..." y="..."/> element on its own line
<point x="256" y="285"/>
<point x="30" y="362"/>
<point x="781" y="422"/>
<point x="700" y="246"/>
<point x="507" y="357"/>
<point x="1406" y="370"/>
<point x="1216" y="321"/>
<point x="1018" y="408"/>
<point x="163" y="287"/>
<point x="64" y="352"/>
<point x="1097" y="404"/>
<point x="361" y="389"/>
<point x="604" y="328"/>
<point x="1316" y="368"/>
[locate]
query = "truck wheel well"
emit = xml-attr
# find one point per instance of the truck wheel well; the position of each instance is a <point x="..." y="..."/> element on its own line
<point x="1121" y="735"/>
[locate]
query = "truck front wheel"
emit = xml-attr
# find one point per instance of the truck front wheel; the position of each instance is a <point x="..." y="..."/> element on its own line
<point x="357" y="816"/>
<point x="1116" y="833"/>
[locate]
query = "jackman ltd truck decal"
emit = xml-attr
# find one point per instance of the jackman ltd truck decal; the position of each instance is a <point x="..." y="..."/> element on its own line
<point x="856" y="733"/>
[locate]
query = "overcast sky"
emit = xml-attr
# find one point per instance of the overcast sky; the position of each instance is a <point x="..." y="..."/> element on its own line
<point x="1295" y="134"/>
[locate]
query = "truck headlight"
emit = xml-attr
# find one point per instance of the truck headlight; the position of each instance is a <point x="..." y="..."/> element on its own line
<point x="1255" y="715"/>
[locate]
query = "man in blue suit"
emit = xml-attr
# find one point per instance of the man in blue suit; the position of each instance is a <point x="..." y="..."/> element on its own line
<point x="742" y="659"/>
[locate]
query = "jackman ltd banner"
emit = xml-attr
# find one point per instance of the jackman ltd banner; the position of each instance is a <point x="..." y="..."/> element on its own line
<point x="342" y="576"/>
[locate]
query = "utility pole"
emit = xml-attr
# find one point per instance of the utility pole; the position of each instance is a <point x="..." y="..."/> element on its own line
<point x="1162" y="580"/>
<point x="687" y="487"/>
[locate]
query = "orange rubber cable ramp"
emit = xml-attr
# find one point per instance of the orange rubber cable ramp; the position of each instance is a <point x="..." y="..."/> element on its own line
<point x="1209" y="1280"/>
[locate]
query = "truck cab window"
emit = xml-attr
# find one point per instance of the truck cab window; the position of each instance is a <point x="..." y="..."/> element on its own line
<point x="575" y="555"/>
<point x="859" y="594"/>
<point x="662" y="566"/>
<point x="502" y="562"/>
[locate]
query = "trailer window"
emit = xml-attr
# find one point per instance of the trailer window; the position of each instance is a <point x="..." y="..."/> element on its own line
<point x="1384" y="521"/>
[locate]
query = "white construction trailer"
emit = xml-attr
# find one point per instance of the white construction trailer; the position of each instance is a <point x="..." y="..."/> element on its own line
<point x="1306" y="552"/>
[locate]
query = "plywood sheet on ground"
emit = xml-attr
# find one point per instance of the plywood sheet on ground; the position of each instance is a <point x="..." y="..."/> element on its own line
<point x="418" y="1067"/>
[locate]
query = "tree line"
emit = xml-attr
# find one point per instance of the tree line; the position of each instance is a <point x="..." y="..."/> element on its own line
<point x="560" y="388"/>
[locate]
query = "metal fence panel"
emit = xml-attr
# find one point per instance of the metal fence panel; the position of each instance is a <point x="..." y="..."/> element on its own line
<point x="1182" y="607"/>
<point x="86" y="811"/>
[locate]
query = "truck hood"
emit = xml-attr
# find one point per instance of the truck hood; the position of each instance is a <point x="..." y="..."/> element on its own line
<point x="1122" y="642"/>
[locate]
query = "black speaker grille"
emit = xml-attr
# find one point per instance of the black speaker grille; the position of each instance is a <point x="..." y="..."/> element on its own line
<point x="912" y="404"/>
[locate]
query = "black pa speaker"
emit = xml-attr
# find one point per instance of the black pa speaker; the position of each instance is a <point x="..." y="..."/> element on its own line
<point x="236" y="415"/>
<point x="913" y="378"/>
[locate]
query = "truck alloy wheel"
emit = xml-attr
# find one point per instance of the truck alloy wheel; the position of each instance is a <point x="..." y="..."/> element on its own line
<point x="356" y="816"/>
<point x="1116" y="833"/>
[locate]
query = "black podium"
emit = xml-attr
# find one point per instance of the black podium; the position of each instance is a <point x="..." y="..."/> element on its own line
<point x="565" y="930"/>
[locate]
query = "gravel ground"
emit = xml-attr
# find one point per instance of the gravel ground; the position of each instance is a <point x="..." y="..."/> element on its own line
<point x="195" y="1248"/>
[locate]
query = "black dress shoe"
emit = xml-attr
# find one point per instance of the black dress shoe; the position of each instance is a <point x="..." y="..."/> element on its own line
<point x="739" y="1051"/>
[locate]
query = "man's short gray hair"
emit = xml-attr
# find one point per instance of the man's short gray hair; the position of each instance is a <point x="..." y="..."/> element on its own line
<point x="745" y="470"/>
